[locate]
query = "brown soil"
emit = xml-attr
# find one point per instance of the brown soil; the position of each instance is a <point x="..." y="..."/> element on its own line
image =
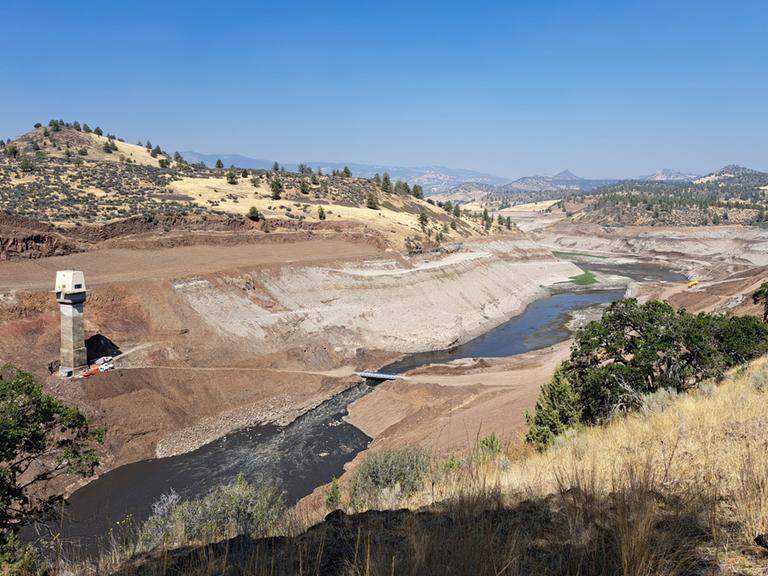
<point x="125" y="266"/>
<point x="445" y="407"/>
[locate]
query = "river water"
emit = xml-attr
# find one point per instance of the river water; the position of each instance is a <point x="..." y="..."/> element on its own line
<point x="314" y="448"/>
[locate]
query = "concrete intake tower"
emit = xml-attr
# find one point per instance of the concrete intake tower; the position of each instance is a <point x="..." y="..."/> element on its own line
<point x="70" y="294"/>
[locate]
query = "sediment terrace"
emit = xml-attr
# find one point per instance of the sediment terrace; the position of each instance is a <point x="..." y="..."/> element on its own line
<point x="220" y="336"/>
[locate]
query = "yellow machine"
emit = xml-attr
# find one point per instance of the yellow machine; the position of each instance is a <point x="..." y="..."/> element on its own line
<point x="693" y="283"/>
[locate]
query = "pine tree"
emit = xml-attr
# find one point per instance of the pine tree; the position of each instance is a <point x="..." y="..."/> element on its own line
<point x="219" y="164"/>
<point x="386" y="183"/>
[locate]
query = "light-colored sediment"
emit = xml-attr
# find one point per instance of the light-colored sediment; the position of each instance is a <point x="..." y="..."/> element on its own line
<point x="432" y="305"/>
<point x="221" y="337"/>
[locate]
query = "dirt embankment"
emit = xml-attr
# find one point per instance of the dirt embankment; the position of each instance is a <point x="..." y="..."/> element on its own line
<point x="446" y="407"/>
<point x="217" y="337"/>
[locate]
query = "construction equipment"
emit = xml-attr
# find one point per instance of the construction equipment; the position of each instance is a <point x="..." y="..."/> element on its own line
<point x="693" y="283"/>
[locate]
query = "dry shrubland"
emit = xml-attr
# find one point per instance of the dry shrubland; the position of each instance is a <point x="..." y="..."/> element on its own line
<point x="680" y="487"/>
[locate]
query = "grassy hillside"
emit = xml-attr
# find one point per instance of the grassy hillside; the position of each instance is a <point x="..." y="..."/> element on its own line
<point x="680" y="487"/>
<point x="69" y="175"/>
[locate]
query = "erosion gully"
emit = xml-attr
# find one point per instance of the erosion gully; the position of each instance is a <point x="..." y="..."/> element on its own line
<point x="314" y="448"/>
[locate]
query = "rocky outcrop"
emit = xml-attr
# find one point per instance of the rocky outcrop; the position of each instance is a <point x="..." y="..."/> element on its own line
<point x="34" y="245"/>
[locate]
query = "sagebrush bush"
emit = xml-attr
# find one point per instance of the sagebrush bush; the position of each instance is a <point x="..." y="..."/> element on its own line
<point x="227" y="511"/>
<point x="658" y="400"/>
<point x="385" y="478"/>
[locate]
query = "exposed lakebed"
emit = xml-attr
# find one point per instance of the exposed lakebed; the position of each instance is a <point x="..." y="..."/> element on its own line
<point x="314" y="448"/>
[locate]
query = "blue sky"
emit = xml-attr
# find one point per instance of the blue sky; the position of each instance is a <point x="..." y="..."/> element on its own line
<point x="604" y="88"/>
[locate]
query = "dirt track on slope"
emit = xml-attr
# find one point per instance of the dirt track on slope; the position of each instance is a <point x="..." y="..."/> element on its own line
<point x="121" y="265"/>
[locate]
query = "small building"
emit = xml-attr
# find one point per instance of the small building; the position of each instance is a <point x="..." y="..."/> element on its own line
<point x="69" y="282"/>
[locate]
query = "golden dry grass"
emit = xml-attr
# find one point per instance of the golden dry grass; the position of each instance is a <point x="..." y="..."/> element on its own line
<point x="396" y="218"/>
<point x="681" y="489"/>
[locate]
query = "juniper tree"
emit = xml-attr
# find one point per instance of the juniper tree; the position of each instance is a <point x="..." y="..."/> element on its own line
<point x="761" y="296"/>
<point x="41" y="439"/>
<point x="277" y="188"/>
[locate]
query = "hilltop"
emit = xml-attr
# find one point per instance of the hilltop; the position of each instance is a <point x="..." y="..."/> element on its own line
<point x="731" y="195"/>
<point x="433" y="179"/>
<point x="667" y="175"/>
<point x="83" y="182"/>
<point x="528" y="189"/>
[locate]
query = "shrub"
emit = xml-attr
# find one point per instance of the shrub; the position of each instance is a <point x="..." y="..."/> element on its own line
<point x="491" y="446"/>
<point x="231" y="177"/>
<point x="254" y="214"/>
<point x="659" y="400"/>
<point x="371" y="201"/>
<point x="321" y="213"/>
<point x="556" y="410"/>
<point x="227" y="511"/>
<point x="388" y="477"/>
<point x="333" y="498"/>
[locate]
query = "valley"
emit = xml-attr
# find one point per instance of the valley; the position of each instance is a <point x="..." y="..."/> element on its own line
<point x="241" y="304"/>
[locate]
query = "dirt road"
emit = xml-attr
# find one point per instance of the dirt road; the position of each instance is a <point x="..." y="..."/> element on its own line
<point x="121" y="265"/>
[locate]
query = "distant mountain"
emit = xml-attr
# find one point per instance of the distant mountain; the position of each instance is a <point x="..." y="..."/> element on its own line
<point x="561" y="182"/>
<point x="525" y="189"/>
<point x="667" y="175"/>
<point x="566" y="175"/>
<point x="467" y="192"/>
<point x="434" y="179"/>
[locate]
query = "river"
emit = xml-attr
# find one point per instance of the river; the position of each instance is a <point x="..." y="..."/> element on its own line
<point x="313" y="449"/>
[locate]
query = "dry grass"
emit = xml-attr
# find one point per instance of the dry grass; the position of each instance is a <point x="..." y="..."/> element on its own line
<point x="681" y="489"/>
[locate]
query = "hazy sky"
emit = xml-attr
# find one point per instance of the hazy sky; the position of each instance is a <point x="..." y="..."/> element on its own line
<point x="611" y="88"/>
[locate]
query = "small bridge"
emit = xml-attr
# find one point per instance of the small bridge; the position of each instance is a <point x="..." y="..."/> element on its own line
<point x="378" y="376"/>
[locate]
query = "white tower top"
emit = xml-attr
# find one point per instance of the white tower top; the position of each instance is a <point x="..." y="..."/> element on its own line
<point x="70" y="282"/>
